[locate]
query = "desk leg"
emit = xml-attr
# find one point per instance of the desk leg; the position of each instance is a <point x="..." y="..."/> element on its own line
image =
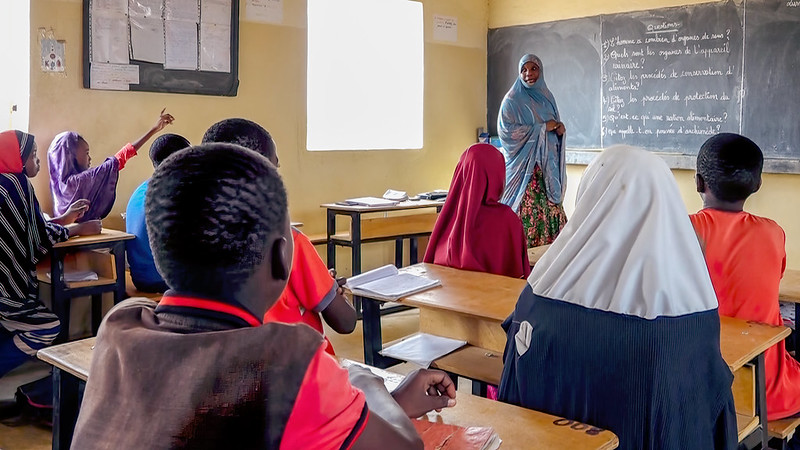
<point x="761" y="398"/>
<point x="355" y="239"/>
<point x="60" y="302"/>
<point x="796" y="333"/>
<point x="413" y="250"/>
<point x="65" y="408"/>
<point x="119" y="260"/>
<point x="331" y="229"/>
<point x="373" y="341"/>
<point x="398" y="252"/>
<point x="97" y="312"/>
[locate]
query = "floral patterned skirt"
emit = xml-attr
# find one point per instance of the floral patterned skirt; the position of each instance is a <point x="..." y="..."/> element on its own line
<point x="542" y="219"/>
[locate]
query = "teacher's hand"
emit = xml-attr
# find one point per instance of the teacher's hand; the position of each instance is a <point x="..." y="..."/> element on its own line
<point x="560" y="129"/>
<point x="551" y="125"/>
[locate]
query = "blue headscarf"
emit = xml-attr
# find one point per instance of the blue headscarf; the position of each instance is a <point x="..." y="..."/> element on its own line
<point x="526" y="142"/>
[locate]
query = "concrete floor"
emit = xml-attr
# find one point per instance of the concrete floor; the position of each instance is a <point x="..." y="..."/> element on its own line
<point x="31" y="437"/>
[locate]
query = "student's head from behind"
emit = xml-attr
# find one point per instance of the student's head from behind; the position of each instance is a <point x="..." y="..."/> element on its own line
<point x="165" y="145"/>
<point x="218" y="224"/>
<point x="246" y="133"/>
<point x="729" y="167"/>
<point x="480" y="174"/>
<point x="18" y="153"/>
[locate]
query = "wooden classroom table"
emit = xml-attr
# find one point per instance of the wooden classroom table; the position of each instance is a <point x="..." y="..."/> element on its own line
<point x="354" y="238"/>
<point x="61" y="292"/>
<point x="517" y="427"/>
<point x="535" y="253"/>
<point x="471" y="306"/>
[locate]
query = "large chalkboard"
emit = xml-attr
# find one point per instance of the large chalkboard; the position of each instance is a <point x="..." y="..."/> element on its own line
<point x="772" y="68"/>
<point x="666" y="79"/>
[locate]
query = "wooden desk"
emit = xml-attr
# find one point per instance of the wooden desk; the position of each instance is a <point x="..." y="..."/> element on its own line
<point x="354" y="239"/>
<point x="70" y="363"/>
<point x="61" y="292"/>
<point x="472" y="305"/>
<point x="516" y="426"/>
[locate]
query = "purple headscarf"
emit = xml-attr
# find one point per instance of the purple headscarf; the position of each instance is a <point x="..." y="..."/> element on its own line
<point x="69" y="184"/>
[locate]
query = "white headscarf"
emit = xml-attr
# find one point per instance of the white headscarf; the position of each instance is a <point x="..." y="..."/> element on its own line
<point x="629" y="248"/>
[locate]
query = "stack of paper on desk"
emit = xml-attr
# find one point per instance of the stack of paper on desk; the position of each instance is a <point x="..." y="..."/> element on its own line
<point x="387" y="283"/>
<point x="371" y="201"/>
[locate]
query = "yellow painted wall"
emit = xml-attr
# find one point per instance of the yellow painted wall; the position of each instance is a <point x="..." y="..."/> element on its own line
<point x="272" y="66"/>
<point x="778" y="193"/>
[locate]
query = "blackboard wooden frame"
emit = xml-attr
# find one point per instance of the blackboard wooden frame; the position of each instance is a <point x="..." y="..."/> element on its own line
<point x="154" y="78"/>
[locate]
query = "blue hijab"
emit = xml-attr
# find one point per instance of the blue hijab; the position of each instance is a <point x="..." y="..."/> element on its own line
<point x="526" y="142"/>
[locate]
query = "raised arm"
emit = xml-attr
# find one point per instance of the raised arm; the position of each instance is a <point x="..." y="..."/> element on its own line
<point x="164" y="119"/>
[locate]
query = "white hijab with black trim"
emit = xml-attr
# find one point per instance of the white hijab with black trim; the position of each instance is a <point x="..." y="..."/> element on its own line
<point x="629" y="248"/>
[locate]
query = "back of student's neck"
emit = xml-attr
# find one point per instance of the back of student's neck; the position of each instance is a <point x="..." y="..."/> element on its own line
<point x="724" y="206"/>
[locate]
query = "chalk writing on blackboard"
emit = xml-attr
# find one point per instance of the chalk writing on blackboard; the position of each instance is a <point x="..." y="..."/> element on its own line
<point x="670" y="79"/>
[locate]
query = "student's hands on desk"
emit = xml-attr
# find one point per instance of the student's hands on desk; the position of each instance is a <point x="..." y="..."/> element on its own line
<point x="87" y="228"/>
<point x="421" y="391"/>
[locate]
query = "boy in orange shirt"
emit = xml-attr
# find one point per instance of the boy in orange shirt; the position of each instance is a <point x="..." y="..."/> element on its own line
<point x="745" y="254"/>
<point x="311" y="289"/>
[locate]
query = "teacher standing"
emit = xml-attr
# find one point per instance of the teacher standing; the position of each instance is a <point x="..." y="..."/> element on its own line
<point x="532" y="138"/>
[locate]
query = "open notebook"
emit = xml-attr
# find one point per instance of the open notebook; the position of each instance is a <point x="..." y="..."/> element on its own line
<point x="387" y="283"/>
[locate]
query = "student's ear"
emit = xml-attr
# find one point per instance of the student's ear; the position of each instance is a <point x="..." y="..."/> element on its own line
<point x="281" y="259"/>
<point x="700" y="183"/>
<point x="757" y="187"/>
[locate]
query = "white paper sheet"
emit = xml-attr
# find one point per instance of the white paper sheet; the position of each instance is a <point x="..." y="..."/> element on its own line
<point x="180" y="45"/>
<point x="445" y="28"/>
<point x="52" y="55"/>
<point x="110" y="6"/>
<point x="115" y="77"/>
<point x="147" y="39"/>
<point x="215" y="47"/>
<point x="266" y="11"/>
<point x="422" y="348"/>
<point x="145" y="8"/>
<point x="216" y="11"/>
<point x="181" y="10"/>
<point x="109" y="38"/>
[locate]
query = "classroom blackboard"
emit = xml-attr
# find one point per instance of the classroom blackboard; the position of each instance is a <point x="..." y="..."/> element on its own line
<point x="154" y="77"/>
<point x="667" y="79"/>
<point x="570" y="54"/>
<point x="772" y="65"/>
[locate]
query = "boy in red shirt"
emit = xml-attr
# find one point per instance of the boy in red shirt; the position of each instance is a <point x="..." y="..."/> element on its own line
<point x="311" y="290"/>
<point x="745" y="254"/>
<point x="198" y="370"/>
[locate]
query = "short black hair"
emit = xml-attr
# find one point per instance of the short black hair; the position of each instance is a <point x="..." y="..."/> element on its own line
<point x="730" y="165"/>
<point x="210" y="210"/>
<point x="242" y="132"/>
<point x="165" y="145"/>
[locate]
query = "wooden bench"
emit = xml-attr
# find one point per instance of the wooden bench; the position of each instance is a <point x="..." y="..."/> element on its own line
<point x="780" y="431"/>
<point x="484" y="367"/>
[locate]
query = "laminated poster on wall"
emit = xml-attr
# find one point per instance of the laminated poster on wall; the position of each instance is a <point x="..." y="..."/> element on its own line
<point x="147" y="39"/>
<point x="216" y="11"/>
<point x="215" y="47"/>
<point x="181" y="45"/>
<point x="445" y="28"/>
<point x="52" y="56"/>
